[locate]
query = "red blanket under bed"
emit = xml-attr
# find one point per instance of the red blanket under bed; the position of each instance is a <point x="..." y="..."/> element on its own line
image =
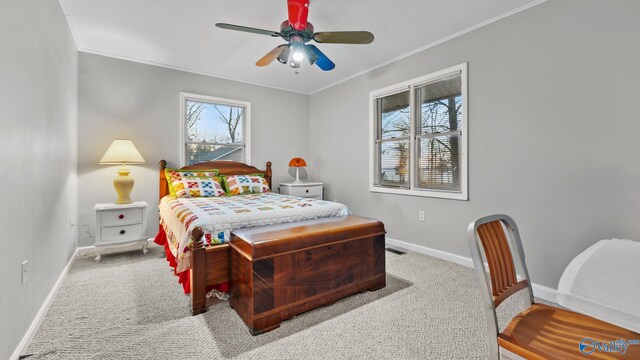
<point x="184" y="277"/>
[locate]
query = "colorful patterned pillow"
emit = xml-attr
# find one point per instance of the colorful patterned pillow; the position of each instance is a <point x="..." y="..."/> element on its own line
<point x="175" y="176"/>
<point x="198" y="187"/>
<point x="246" y="184"/>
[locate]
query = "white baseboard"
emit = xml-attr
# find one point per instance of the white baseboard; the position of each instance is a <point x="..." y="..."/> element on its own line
<point x="540" y="291"/>
<point x="464" y="261"/>
<point x="35" y="324"/>
<point x="544" y="292"/>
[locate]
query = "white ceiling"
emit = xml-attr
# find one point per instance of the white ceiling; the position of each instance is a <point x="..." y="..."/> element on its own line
<point x="181" y="33"/>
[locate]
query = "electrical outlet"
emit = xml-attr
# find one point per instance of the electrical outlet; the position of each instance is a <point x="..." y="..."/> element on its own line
<point x="24" y="272"/>
<point x="421" y="215"/>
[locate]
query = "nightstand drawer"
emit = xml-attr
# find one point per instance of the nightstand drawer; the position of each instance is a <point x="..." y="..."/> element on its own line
<point x="121" y="217"/>
<point x="306" y="191"/>
<point x="121" y="233"/>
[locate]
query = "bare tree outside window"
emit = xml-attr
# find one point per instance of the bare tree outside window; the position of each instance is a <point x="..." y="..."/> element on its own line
<point x="419" y="143"/>
<point x="194" y="109"/>
<point x="393" y="139"/>
<point x="214" y="131"/>
<point x="438" y="148"/>
<point x="231" y="119"/>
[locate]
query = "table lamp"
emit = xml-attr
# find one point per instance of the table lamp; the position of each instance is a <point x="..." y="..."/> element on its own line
<point x="123" y="152"/>
<point x="297" y="162"/>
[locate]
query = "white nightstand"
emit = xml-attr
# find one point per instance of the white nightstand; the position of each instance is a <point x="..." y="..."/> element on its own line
<point x="120" y="225"/>
<point x="306" y="190"/>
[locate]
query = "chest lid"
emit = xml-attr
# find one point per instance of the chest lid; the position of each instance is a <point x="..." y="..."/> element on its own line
<point x="271" y="240"/>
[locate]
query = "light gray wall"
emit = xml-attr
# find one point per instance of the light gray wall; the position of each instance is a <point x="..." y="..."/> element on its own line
<point x="553" y="133"/>
<point x="126" y="99"/>
<point x="38" y="152"/>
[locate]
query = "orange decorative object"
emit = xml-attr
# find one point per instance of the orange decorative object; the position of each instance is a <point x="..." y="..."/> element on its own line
<point x="297" y="162"/>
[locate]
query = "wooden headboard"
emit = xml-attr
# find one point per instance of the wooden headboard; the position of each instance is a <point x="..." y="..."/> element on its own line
<point x="226" y="167"/>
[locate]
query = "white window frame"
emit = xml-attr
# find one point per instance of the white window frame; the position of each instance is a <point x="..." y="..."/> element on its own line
<point x="411" y="85"/>
<point x="246" y="135"/>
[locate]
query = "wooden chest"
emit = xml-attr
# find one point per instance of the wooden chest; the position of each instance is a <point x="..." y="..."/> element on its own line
<point x="280" y="271"/>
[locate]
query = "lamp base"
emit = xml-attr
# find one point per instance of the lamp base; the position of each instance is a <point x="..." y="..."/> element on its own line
<point x="297" y="180"/>
<point x="123" y="184"/>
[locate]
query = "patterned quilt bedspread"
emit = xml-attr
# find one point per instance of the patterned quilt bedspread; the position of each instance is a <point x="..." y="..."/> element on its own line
<point x="218" y="216"/>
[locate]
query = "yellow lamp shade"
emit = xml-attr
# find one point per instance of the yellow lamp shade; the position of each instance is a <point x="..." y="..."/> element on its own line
<point x="122" y="151"/>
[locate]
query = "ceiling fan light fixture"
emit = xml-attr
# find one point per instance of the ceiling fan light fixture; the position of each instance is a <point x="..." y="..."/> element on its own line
<point x="284" y="55"/>
<point x="297" y="55"/>
<point x="297" y="49"/>
<point x="297" y="32"/>
<point x="310" y="55"/>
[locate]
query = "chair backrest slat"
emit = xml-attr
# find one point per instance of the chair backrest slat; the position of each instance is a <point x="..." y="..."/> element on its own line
<point x="498" y="254"/>
<point x="495" y="233"/>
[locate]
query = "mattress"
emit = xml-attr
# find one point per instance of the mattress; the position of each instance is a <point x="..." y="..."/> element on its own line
<point x="218" y="216"/>
<point x="603" y="282"/>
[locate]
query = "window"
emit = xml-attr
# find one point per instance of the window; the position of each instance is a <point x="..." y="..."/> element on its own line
<point x="214" y="129"/>
<point x="419" y="136"/>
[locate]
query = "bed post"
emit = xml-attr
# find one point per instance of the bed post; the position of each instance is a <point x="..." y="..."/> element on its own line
<point x="268" y="173"/>
<point x="198" y="273"/>
<point x="164" y="187"/>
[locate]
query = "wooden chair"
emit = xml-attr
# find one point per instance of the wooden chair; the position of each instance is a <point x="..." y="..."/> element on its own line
<point x="540" y="331"/>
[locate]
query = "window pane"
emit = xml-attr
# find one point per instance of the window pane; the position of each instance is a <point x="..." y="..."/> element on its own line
<point x="439" y="106"/>
<point x="214" y="123"/>
<point x="393" y="116"/>
<point x="419" y="138"/>
<point x="204" y="152"/>
<point x="438" y="163"/>
<point x="393" y="163"/>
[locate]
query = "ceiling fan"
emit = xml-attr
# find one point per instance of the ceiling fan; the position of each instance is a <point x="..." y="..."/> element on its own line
<point x="297" y="32"/>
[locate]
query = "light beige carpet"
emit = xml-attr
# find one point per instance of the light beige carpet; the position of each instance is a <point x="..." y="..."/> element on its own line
<point x="130" y="306"/>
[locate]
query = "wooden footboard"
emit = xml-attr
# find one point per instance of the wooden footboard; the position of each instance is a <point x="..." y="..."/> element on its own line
<point x="209" y="266"/>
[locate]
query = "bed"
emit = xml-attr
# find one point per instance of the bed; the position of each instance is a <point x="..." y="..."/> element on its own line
<point x="195" y="232"/>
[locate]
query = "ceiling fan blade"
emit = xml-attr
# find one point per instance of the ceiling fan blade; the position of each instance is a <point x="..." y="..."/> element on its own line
<point x="272" y="55"/>
<point x="248" y="29"/>
<point x="344" y="37"/>
<point x="323" y="61"/>
<point x="298" y="13"/>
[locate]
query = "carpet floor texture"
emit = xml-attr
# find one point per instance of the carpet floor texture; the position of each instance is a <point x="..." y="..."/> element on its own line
<point x="130" y="306"/>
